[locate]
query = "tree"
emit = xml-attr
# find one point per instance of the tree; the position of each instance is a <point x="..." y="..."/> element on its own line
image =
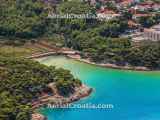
<point x="22" y="80"/>
<point x="21" y="18"/>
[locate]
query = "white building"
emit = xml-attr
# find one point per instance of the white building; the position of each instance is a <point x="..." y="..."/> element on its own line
<point x="152" y="33"/>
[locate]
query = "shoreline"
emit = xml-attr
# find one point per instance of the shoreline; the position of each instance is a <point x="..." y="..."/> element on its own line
<point x="108" y="65"/>
<point x="74" y="55"/>
<point x="80" y="92"/>
<point x="38" y="116"/>
<point x="57" y="100"/>
<point x="86" y="90"/>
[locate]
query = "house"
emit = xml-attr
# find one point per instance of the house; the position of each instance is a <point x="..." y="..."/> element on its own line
<point x="133" y="25"/>
<point x="146" y="6"/>
<point x="152" y="33"/>
<point x="106" y="14"/>
<point x="156" y="7"/>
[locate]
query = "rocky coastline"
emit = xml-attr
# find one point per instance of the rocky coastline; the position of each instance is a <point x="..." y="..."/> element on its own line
<point x="80" y="92"/>
<point x="58" y="100"/>
<point x="37" y="116"/>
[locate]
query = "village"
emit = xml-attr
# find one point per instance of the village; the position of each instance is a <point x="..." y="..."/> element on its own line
<point x="136" y="10"/>
<point x="47" y="59"/>
<point x="143" y="16"/>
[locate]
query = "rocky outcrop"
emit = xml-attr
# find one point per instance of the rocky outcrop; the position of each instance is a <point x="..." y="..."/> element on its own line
<point x="56" y="99"/>
<point x="37" y="116"/>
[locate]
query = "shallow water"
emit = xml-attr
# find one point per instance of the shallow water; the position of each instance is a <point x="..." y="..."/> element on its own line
<point x="135" y="95"/>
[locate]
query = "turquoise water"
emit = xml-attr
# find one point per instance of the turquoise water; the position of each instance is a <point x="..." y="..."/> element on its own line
<point x="135" y="95"/>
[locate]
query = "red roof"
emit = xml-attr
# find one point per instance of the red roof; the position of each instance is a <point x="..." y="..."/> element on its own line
<point x="126" y="2"/>
<point x="106" y="11"/>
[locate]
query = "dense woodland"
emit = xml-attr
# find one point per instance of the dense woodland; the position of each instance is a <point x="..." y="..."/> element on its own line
<point x="100" y="40"/>
<point x="22" y="18"/>
<point x="22" y="80"/>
